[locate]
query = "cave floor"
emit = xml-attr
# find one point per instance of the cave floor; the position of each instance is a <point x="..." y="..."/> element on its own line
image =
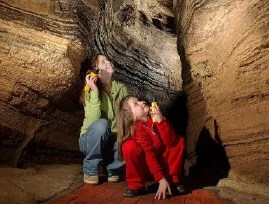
<point x="107" y="193"/>
<point x="62" y="184"/>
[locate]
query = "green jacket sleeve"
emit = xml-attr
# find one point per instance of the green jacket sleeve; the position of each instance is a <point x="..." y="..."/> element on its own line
<point x="92" y="106"/>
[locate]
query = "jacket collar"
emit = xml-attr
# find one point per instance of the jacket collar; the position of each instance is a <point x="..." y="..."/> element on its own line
<point x="116" y="86"/>
<point x="147" y="123"/>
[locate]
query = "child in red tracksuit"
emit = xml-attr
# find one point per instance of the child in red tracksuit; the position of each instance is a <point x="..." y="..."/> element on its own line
<point x="148" y="148"/>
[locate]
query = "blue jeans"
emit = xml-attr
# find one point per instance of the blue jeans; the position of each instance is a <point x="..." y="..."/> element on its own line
<point x="100" y="148"/>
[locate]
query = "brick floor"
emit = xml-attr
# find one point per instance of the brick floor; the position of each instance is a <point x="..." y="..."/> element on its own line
<point x="110" y="193"/>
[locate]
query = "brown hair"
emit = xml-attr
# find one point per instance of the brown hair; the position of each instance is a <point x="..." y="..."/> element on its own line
<point x="94" y="61"/>
<point x="125" y="123"/>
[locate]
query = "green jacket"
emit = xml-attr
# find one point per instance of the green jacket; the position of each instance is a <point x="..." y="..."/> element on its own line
<point x="99" y="104"/>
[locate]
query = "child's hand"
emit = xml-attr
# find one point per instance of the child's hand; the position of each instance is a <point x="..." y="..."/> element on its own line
<point x="156" y="113"/>
<point x="91" y="82"/>
<point x="163" y="188"/>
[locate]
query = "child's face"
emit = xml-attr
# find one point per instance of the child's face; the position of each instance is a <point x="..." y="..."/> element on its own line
<point x="139" y="109"/>
<point x="104" y="64"/>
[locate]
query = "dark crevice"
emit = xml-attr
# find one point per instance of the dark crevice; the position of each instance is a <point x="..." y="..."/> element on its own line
<point x="168" y="26"/>
<point x="177" y="114"/>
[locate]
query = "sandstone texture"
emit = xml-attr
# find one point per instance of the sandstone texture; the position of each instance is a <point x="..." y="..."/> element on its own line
<point x="39" y="84"/>
<point x="204" y="62"/>
<point x="225" y="57"/>
<point x="42" y="49"/>
<point x="139" y="37"/>
<point x="38" y="184"/>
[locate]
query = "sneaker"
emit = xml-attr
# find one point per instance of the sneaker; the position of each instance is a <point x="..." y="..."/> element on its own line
<point x="133" y="192"/>
<point x="93" y="180"/>
<point x="180" y="188"/>
<point x="114" y="178"/>
<point x="113" y="175"/>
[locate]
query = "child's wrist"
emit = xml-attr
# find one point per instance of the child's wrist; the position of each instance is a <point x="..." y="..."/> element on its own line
<point x="161" y="180"/>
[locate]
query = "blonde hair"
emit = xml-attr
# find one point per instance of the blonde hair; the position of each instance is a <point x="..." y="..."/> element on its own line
<point x="94" y="62"/>
<point x="125" y="123"/>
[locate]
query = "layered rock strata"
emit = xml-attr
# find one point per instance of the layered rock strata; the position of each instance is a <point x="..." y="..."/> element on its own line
<point x="40" y="64"/>
<point x="224" y="45"/>
<point x="42" y="48"/>
<point x="223" y="48"/>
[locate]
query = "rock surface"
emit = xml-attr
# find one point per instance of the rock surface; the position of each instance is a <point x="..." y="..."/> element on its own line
<point x="139" y="37"/>
<point x="38" y="184"/>
<point x="40" y="64"/>
<point x="225" y="58"/>
<point x="42" y="48"/>
<point x="222" y="69"/>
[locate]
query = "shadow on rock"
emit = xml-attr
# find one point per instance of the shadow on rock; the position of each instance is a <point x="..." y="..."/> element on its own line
<point x="212" y="163"/>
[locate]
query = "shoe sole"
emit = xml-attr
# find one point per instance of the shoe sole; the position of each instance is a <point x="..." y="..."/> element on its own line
<point x="181" y="191"/>
<point x="113" y="179"/>
<point x="133" y="195"/>
<point x="130" y="196"/>
<point x="91" y="182"/>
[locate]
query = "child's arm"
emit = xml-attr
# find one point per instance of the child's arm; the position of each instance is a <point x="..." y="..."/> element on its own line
<point x="92" y="105"/>
<point x="144" y="140"/>
<point x="167" y="132"/>
<point x="92" y="109"/>
<point x="146" y="144"/>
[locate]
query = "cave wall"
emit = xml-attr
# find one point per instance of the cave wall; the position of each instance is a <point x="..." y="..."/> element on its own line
<point x="223" y="49"/>
<point x="39" y="84"/>
<point x="140" y="38"/>
<point x="225" y="55"/>
<point x="43" y="44"/>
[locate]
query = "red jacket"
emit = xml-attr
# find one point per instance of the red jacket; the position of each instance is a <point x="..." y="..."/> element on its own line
<point x="153" y="139"/>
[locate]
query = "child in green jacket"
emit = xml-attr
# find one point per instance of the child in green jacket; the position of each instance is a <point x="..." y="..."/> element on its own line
<point x="98" y="133"/>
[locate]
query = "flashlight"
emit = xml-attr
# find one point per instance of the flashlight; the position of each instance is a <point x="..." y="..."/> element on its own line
<point x="153" y="105"/>
<point x="92" y="73"/>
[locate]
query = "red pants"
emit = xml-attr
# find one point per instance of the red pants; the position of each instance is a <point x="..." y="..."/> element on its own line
<point x="137" y="171"/>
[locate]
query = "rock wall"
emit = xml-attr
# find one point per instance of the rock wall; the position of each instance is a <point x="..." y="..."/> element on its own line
<point x="223" y="49"/>
<point x="225" y="57"/>
<point x="139" y="37"/>
<point x="39" y="84"/>
<point x="43" y="44"/>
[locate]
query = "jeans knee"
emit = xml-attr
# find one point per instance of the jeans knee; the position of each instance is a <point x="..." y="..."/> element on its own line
<point x="101" y="127"/>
